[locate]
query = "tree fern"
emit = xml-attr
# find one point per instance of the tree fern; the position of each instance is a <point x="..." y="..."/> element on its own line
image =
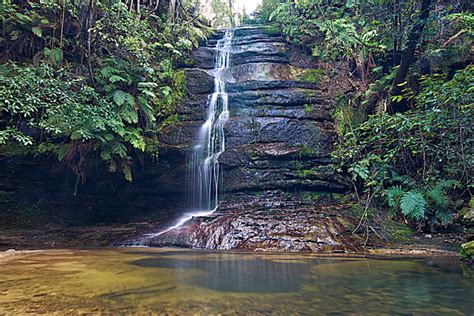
<point x="413" y="205"/>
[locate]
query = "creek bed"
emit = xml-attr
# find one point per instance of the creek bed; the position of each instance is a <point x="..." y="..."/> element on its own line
<point x="177" y="281"/>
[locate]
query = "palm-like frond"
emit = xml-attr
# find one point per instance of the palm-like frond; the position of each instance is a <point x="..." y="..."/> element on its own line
<point x="413" y="205"/>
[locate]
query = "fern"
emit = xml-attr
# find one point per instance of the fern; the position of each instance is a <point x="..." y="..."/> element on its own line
<point x="444" y="216"/>
<point x="439" y="197"/>
<point x="127" y="171"/>
<point x="120" y="97"/>
<point x="394" y="194"/>
<point x="448" y="184"/>
<point x="405" y="180"/>
<point x="413" y="205"/>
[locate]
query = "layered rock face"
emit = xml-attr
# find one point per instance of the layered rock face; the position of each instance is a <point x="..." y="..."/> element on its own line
<point x="279" y="191"/>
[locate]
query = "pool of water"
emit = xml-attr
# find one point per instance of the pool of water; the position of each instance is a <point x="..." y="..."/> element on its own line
<point x="169" y="281"/>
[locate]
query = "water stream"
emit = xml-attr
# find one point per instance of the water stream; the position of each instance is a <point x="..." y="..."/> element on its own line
<point x="205" y="174"/>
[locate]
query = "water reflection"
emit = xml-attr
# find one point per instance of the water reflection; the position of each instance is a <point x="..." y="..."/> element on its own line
<point x="229" y="273"/>
<point x="189" y="282"/>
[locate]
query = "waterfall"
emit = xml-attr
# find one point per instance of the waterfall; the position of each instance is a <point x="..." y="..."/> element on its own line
<point x="205" y="174"/>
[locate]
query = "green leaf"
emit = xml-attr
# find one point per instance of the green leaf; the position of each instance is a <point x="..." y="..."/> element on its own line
<point x="439" y="197"/>
<point x="112" y="166"/>
<point x="127" y="172"/>
<point x="445" y="217"/>
<point x="105" y="155"/>
<point x="55" y="55"/>
<point x="62" y="151"/>
<point x="149" y="93"/>
<point x="37" y="31"/>
<point x="115" y="78"/>
<point x="394" y="194"/>
<point x="120" y="97"/>
<point x="147" y="85"/>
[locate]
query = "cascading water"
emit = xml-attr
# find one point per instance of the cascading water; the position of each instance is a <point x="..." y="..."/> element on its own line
<point x="205" y="173"/>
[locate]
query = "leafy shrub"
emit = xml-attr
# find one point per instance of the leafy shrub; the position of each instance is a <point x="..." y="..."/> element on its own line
<point x="415" y="158"/>
<point x="103" y="95"/>
<point x="420" y="204"/>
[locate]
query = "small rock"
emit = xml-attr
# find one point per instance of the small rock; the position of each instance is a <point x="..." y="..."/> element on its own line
<point x="467" y="250"/>
<point x="466" y="216"/>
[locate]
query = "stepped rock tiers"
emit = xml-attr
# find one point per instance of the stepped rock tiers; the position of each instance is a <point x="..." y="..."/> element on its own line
<point x="279" y="191"/>
<point x="276" y="188"/>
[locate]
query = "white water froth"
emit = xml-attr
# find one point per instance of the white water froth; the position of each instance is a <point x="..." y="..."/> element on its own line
<point x="204" y="178"/>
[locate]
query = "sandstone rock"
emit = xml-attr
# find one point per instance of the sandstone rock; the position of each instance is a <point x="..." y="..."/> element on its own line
<point x="199" y="81"/>
<point x="296" y="230"/>
<point x="278" y="185"/>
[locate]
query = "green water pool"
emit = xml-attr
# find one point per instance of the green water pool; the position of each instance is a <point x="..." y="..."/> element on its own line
<point x="187" y="282"/>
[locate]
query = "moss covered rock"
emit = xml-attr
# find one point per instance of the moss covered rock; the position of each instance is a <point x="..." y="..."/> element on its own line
<point x="466" y="215"/>
<point x="467" y="250"/>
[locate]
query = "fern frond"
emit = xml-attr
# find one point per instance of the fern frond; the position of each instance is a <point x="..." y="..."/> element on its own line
<point x="394" y="194"/>
<point x="439" y="197"/>
<point x="405" y="180"/>
<point x="448" y="184"/>
<point x="413" y="205"/>
<point x="445" y="217"/>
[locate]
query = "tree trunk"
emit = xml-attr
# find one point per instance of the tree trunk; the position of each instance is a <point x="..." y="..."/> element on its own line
<point x="408" y="57"/>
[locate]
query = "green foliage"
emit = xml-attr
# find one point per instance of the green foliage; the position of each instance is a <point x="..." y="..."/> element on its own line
<point x="333" y="31"/>
<point x="467" y="250"/>
<point x="42" y="98"/>
<point x="415" y="159"/>
<point x="413" y="205"/>
<point x="42" y="101"/>
<point x="312" y="75"/>
<point x="103" y="95"/>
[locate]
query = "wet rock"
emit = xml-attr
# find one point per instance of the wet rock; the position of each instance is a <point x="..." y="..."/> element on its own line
<point x="199" y="81"/>
<point x="181" y="135"/>
<point x="289" y="97"/>
<point x="279" y="188"/>
<point x="312" y="229"/>
<point x="269" y="85"/>
<point x="265" y="54"/>
<point x="261" y="72"/>
<point x="204" y="58"/>
<point x="245" y="130"/>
